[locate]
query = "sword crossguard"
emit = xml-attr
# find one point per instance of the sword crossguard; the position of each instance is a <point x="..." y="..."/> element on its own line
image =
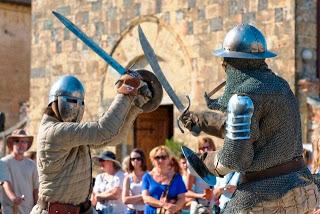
<point x="195" y="129"/>
<point x="133" y="74"/>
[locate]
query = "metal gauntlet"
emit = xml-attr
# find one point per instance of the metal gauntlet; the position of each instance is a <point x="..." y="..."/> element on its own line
<point x="240" y="110"/>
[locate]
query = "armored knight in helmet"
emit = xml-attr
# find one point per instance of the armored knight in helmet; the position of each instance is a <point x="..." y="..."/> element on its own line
<point x="258" y="117"/>
<point x="63" y="147"/>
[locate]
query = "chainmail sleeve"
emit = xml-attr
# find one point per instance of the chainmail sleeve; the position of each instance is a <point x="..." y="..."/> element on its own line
<point x="238" y="151"/>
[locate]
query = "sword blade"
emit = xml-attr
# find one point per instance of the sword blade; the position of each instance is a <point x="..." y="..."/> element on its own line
<point x="90" y="43"/>
<point x="152" y="59"/>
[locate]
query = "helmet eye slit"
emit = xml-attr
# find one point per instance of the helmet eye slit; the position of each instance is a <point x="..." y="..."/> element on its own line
<point x="71" y="100"/>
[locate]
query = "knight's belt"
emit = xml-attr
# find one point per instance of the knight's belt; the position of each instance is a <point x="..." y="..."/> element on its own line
<point x="281" y="169"/>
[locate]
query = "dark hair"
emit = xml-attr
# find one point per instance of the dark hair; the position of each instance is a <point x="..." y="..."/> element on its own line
<point x="182" y="156"/>
<point x="143" y="160"/>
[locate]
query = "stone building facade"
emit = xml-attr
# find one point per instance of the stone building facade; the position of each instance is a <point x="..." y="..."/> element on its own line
<point x="183" y="33"/>
<point x="15" y="55"/>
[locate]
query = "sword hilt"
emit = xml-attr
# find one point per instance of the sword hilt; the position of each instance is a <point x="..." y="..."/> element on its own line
<point x="195" y="129"/>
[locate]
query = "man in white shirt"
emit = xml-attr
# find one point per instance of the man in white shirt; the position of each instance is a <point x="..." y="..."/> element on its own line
<point x="21" y="189"/>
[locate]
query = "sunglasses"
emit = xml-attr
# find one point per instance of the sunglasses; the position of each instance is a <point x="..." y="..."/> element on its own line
<point x="20" y="142"/>
<point x="161" y="157"/>
<point x="137" y="159"/>
<point x="204" y="148"/>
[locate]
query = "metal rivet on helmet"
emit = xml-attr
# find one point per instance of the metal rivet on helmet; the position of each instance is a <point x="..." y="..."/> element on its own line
<point x="244" y="41"/>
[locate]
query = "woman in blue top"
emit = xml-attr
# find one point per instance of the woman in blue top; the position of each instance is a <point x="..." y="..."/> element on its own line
<point x="157" y="180"/>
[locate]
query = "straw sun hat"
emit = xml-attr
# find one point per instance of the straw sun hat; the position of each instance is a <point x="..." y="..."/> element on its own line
<point x="17" y="135"/>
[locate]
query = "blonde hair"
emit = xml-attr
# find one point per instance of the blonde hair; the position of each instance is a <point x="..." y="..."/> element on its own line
<point x="125" y="163"/>
<point x="154" y="151"/>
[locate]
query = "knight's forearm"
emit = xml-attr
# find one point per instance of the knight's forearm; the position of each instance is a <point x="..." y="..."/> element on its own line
<point x="237" y="155"/>
<point x="212" y="123"/>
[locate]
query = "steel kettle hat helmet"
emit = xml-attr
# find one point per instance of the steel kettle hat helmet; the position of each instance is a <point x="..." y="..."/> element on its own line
<point x="69" y="92"/>
<point x="244" y="41"/>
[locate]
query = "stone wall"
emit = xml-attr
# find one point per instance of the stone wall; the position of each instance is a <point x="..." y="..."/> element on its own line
<point x="15" y="40"/>
<point x="182" y="32"/>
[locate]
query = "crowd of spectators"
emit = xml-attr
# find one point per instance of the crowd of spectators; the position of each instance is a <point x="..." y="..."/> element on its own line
<point x="123" y="188"/>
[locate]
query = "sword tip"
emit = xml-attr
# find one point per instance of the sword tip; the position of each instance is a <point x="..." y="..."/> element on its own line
<point x="56" y="14"/>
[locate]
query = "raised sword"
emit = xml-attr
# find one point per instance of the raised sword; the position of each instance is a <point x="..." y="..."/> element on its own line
<point x="152" y="59"/>
<point x="90" y="43"/>
<point x="147" y="76"/>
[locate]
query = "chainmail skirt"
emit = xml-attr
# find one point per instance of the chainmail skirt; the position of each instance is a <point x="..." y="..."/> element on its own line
<point x="301" y="200"/>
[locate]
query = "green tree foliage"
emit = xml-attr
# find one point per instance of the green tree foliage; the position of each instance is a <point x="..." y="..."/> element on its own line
<point x="174" y="146"/>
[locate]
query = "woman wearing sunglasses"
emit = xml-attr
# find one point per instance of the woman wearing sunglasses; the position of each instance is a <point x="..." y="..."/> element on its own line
<point x="162" y="179"/>
<point x="131" y="193"/>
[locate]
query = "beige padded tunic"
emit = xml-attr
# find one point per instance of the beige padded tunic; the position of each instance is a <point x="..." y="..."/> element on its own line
<point x="64" y="164"/>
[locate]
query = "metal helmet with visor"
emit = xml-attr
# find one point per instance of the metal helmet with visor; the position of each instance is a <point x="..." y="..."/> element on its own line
<point x="69" y="92"/>
<point x="246" y="42"/>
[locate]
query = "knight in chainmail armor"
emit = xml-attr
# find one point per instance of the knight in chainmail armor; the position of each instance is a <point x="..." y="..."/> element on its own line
<point x="258" y="117"/>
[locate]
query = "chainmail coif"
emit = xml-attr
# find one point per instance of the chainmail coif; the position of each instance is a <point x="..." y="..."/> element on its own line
<point x="275" y="133"/>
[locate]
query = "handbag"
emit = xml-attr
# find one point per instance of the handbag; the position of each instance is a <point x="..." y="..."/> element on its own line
<point x="165" y="195"/>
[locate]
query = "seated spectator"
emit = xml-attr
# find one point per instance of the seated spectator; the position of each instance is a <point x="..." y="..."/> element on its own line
<point x="162" y="187"/>
<point x="131" y="194"/>
<point x="106" y="195"/>
<point x="21" y="190"/>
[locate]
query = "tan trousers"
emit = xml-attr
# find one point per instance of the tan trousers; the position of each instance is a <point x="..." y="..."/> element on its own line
<point x="301" y="200"/>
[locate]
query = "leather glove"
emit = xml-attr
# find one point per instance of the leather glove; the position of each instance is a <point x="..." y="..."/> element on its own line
<point x="143" y="96"/>
<point x="128" y="84"/>
<point x="132" y="84"/>
<point x="189" y="120"/>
